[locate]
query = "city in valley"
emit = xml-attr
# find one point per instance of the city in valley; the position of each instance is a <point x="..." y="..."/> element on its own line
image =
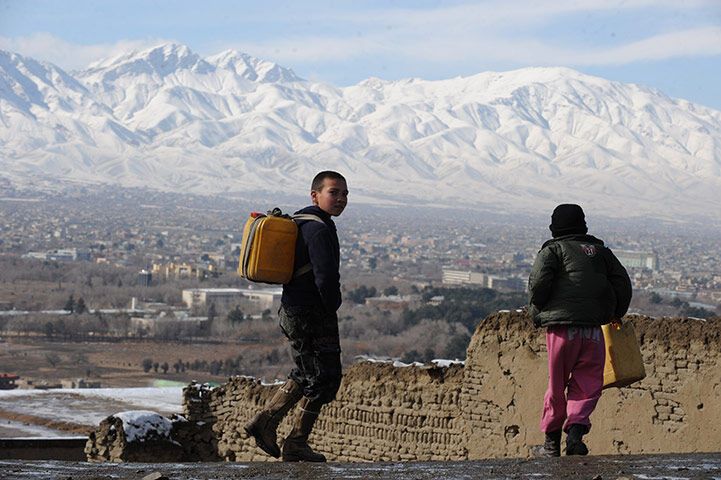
<point x="118" y="287"/>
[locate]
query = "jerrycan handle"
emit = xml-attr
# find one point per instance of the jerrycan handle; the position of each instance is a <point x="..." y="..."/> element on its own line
<point x="277" y="212"/>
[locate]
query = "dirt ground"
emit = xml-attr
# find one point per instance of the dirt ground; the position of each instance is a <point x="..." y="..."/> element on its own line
<point x="120" y="364"/>
<point x="679" y="467"/>
<point x="8" y="419"/>
<point x="114" y="365"/>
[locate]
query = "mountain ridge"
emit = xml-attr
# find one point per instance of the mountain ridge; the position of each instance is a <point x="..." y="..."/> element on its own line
<point x="522" y="140"/>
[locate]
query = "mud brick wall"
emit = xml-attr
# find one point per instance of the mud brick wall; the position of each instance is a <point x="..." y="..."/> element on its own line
<point x="503" y="385"/>
<point x="491" y="407"/>
<point x="226" y="409"/>
<point x="674" y="409"/>
<point x="677" y="406"/>
<point x="380" y="413"/>
<point x="388" y="413"/>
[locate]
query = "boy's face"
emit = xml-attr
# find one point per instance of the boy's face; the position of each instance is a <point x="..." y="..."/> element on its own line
<point x="332" y="197"/>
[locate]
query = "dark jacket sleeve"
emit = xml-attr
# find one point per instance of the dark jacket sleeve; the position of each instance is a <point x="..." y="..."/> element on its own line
<point x="540" y="282"/>
<point x="325" y="268"/>
<point x="621" y="284"/>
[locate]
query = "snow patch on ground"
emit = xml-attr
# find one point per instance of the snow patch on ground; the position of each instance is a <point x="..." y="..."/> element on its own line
<point x="399" y="364"/>
<point x="163" y="399"/>
<point x="264" y="382"/>
<point x="440" y="362"/>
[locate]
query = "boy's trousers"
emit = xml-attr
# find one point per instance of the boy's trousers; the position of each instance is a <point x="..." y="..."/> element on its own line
<point x="576" y="357"/>
<point x="315" y="347"/>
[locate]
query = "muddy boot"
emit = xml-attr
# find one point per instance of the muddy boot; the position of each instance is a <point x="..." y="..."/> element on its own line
<point x="550" y="448"/>
<point x="295" y="446"/>
<point x="264" y="425"/>
<point x="574" y="440"/>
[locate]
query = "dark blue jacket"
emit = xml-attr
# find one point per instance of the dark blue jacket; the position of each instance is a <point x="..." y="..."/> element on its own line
<point x="317" y="244"/>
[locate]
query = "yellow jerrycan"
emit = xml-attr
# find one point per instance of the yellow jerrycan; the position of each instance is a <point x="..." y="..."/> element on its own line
<point x="267" y="252"/>
<point x="624" y="364"/>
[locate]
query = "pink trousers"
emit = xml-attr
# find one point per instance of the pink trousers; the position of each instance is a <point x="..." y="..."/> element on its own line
<point x="576" y="357"/>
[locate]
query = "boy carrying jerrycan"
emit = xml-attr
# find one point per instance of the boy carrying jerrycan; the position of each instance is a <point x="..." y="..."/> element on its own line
<point x="576" y="285"/>
<point x="311" y="297"/>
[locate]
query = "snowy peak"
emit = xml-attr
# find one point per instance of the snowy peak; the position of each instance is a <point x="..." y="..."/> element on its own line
<point x="26" y="83"/>
<point x="171" y="59"/>
<point x="251" y="68"/>
<point x="16" y="69"/>
<point x="157" y="62"/>
<point x="13" y="65"/>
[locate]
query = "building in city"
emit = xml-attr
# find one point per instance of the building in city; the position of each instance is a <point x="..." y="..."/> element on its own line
<point x="62" y="255"/>
<point x="508" y="284"/>
<point x="250" y="301"/>
<point x="7" y="381"/>
<point x="183" y="270"/>
<point x="496" y="282"/>
<point x="632" y="259"/>
<point x="462" y="277"/>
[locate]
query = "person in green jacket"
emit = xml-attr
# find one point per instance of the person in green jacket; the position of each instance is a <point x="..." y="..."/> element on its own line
<point x="576" y="285"/>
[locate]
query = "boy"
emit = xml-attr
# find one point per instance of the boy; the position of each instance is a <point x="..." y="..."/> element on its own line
<point x="308" y="319"/>
<point x="576" y="285"/>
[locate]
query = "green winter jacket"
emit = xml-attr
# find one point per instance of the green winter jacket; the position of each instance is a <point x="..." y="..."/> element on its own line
<point x="576" y="280"/>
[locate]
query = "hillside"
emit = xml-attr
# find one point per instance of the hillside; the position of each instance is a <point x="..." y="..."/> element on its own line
<point x="232" y="124"/>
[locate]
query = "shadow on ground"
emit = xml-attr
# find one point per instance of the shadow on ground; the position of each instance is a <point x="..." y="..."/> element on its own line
<point x="678" y="467"/>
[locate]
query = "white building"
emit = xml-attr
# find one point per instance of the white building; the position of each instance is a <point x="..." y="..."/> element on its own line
<point x="61" y="255"/>
<point x="466" y="277"/>
<point x="250" y="301"/>
<point x="632" y="259"/>
<point x="513" y="284"/>
<point x="462" y="277"/>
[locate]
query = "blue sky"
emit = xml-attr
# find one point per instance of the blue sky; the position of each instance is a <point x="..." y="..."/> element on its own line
<point x="672" y="45"/>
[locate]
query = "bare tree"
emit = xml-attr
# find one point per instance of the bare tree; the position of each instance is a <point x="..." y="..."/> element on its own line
<point x="53" y="359"/>
<point x="147" y="364"/>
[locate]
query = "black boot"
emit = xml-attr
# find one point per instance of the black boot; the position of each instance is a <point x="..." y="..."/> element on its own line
<point x="574" y="440"/>
<point x="551" y="446"/>
<point x="264" y="425"/>
<point x="295" y="446"/>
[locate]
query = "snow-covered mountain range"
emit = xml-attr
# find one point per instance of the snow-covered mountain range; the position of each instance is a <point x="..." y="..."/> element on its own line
<point x="524" y="140"/>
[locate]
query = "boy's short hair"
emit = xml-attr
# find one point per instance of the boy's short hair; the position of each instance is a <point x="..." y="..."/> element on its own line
<point x="317" y="184"/>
